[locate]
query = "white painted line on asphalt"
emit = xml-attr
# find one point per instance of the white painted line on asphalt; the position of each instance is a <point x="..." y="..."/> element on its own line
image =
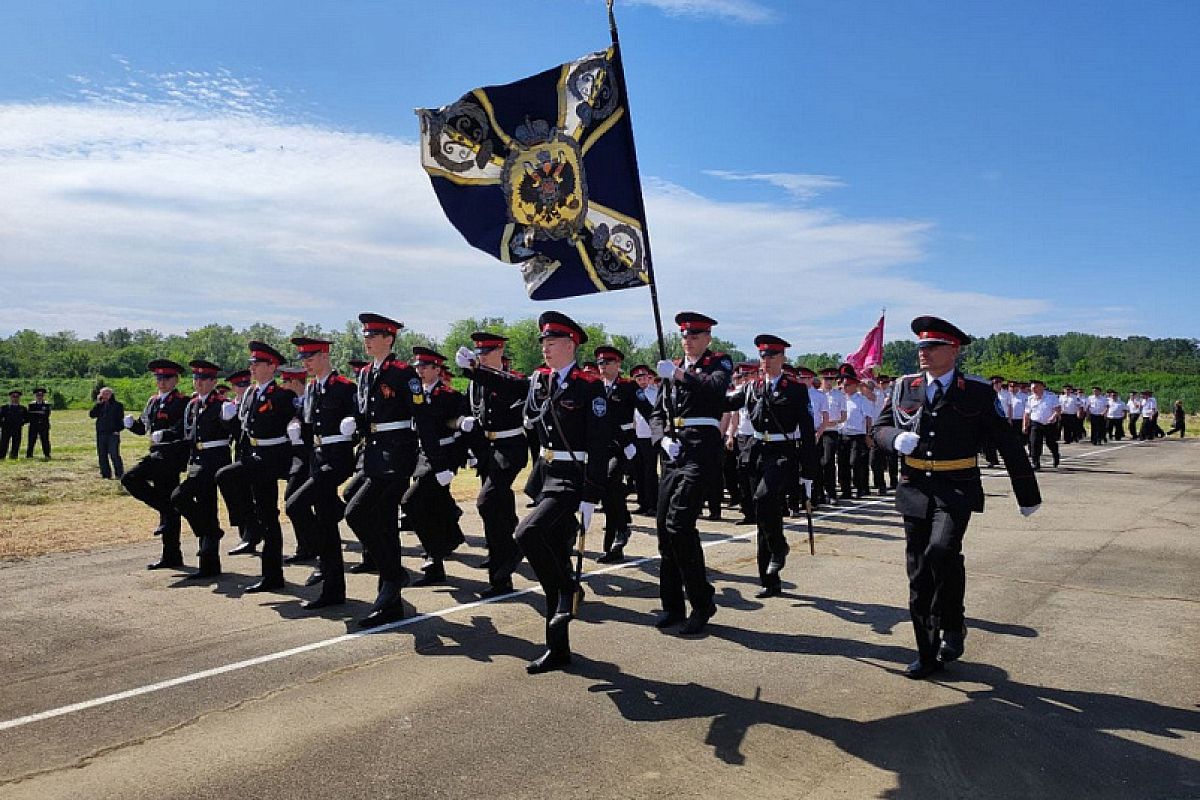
<point x="308" y="648"/>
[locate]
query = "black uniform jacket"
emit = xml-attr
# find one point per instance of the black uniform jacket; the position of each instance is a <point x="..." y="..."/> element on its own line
<point x="575" y="420"/>
<point x="393" y="393"/>
<point x="447" y="406"/>
<point x="266" y="418"/>
<point x="322" y="414"/>
<point x="784" y="409"/>
<point x="165" y="414"/>
<point x="39" y="417"/>
<point x="622" y="402"/>
<point x="953" y="430"/>
<point x="202" y="424"/>
<point x="496" y="399"/>
<point x="12" y="417"/>
<point x="700" y="393"/>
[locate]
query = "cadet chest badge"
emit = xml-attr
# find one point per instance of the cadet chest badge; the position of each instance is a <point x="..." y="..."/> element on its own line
<point x="599" y="406"/>
<point x="415" y="387"/>
<point x="386" y="391"/>
<point x="641" y="394"/>
<point x="727" y="364"/>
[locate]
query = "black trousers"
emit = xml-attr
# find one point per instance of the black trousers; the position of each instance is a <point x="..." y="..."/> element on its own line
<point x="883" y="462"/>
<point x="1133" y="425"/>
<point x="238" y="506"/>
<point x="108" y="452"/>
<point x="684" y="488"/>
<point x="153" y="480"/>
<point x="852" y="464"/>
<point x="10" y="442"/>
<point x="497" y="506"/>
<point x="262" y="481"/>
<point x="196" y="498"/>
<point x="1116" y="428"/>
<point x="304" y="526"/>
<point x="1042" y="435"/>
<point x="936" y="575"/>
<point x="35" y="435"/>
<point x="775" y="473"/>
<point x="828" y="444"/>
<point x="431" y="511"/>
<point x="646" y="469"/>
<point x="616" y="506"/>
<point x="546" y="536"/>
<point x="729" y="476"/>
<point x="746" y="474"/>
<point x="1099" y="427"/>
<point x="319" y="508"/>
<point x="373" y="514"/>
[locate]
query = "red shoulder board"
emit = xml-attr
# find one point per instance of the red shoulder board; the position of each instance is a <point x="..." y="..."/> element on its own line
<point x="543" y="371"/>
<point x="962" y="383"/>
<point x="517" y="374"/>
<point x="704" y="362"/>
<point x="916" y="382"/>
<point x="442" y="388"/>
<point x="579" y="375"/>
<point x="397" y="364"/>
<point x="339" y="379"/>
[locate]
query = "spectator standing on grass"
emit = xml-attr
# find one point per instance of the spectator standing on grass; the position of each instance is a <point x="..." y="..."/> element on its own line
<point x="12" y="419"/>
<point x="39" y="424"/>
<point x="109" y="415"/>
<point x="1180" y="420"/>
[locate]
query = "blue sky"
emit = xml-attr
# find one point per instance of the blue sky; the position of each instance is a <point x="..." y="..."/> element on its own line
<point x="1011" y="166"/>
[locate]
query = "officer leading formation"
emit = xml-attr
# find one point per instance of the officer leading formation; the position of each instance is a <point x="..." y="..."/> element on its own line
<point x="392" y="437"/>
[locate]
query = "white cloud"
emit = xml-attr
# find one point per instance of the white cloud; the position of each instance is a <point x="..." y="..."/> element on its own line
<point x="217" y="209"/>
<point x="737" y="10"/>
<point x="799" y="185"/>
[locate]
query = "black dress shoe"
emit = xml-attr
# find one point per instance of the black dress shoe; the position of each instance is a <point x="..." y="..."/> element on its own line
<point x="201" y="574"/>
<point x="746" y="521"/>
<point x="768" y="591"/>
<point x="322" y="602"/>
<point x="265" y="585"/>
<point x="614" y="556"/>
<point x="697" y="620"/>
<point x="431" y="578"/>
<point x="300" y="558"/>
<point x="316" y="577"/>
<point x="243" y="548"/>
<point x="388" y="606"/>
<point x="919" y="670"/>
<point x="953" y="645"/>
<point x="548" y="662"/>
<point x="363" y="567"/>
<point x="496" y="591"/>
<point x="668" y="620"/>
<point x="166" y="563"/>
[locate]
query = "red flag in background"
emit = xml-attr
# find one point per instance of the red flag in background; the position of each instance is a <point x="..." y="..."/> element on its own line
<point x="870" y="353"/>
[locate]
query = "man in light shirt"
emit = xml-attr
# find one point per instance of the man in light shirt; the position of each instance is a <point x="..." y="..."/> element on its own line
<point x="1016" y="406"/>
<point x="830" y="439"/>
<point x="1116" y="416"/>
<point x="1149" y="416"/>
<point x="1069" y="405"/>
<point x="1042" y="413"/>
<point x="1134" y="407"/>
<point x="852" y="450"/>
<point x="1097" y="407"/>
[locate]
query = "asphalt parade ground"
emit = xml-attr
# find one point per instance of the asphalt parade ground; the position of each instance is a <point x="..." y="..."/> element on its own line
<point x="1081" y="676"/>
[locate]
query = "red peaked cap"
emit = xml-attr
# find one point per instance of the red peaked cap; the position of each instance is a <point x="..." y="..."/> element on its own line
<point x="203" y="369"/>
<point x="306" y="346"/>
<point x="934" y="330"/>
<point x="379" y="323"/>
<point x="769" y="345"/>
<point x="609" y="352"/>
<point x="261" y="352"/>
<point x="692" y="322"/>
<point x="241" y="378"/>
<point x="553" y="324"/>
<point x="487" y="341"/>
<point x="293" y="373"/>
<point x="423" y="355"/>
<point x="164" y="366"/>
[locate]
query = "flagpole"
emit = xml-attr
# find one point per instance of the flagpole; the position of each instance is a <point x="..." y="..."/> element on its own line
<point x="620" y="70"/>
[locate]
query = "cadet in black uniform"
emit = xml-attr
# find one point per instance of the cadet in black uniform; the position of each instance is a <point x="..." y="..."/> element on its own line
<point x="12" y="420"/>
<point x="784" y="448"/>
<point x="568" y="410"/>
<point x="294" y="378"/>
<point x="155" y="477"/>
<point x="207" y="438"/>
<point x="39" y="424"/>
<point x="937" y="419"/>
<point x="237" y="494"/>
<point x="330" y="402"/>
<point x="391" y="402"/>
<point x="428" y="505"/>
<point x="497" y="438"/>
<point x="265" y="411"/>
<point x="646" y="465"/>
<point x="621" y="394"/>
<point x="688" y="417"/>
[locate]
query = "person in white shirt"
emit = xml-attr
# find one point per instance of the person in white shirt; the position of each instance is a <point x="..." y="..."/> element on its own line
<point x="852" y="449"/>
<point x="1016" y="406"/>
<point x="818" y="405"/>
<point x="646" y="461"/>
<point x="1150" y="427"/>
<point x="1097" y="407"/>
<point x="739" y="439"/>
<point x="1003" y="403"/>
<point x="1116" y="416"/>
<point x="1042" y="413"/>
<point x="1134" y="406"/>
<point x="830" y="438"/>
<point x="1069" y="417"/>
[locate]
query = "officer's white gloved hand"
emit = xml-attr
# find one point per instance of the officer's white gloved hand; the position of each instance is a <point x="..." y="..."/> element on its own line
<point x="466" y="424"/>
<point x="1029" y="511"/>
<point x="666" y="368"/>
<point x="464" y="357"/>
<point x="906" y="442"/>
<point x="156" y="437"/>
<point x="444" y="477"/>
<point x="807" y="487"/>
<point x="228" y="410"/>
<point x="293" y="431"/>
<point x="630" y="451"/>
<point x="472" y="461"/>
<point x="128" y="421"/>
<point x="670" y="446"/>
<point x="586" y="510"/>
<point x="347" y="425"/>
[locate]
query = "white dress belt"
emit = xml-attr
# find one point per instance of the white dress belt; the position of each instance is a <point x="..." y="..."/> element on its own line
<point x="776" y="437"/>
<point x="564" y="455"/>
<point x="691" y="422"/>
<point x="274" y="440"/>
<point x="212" y="443"/>
<point x="508" y="434"/>
<point x="379" y="427"/>
<point x="336" y="438"/>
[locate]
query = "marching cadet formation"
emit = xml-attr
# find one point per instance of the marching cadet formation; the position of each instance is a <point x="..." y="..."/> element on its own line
<point x="379" y="448"/>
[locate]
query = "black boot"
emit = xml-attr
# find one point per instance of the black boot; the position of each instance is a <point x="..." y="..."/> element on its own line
<point x="435" y="572"/>
<point x="388" y="606"/>
<point x="558" y="646"/>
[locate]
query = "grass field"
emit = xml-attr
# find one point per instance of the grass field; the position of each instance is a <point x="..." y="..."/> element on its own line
<point x="64" y="505"/>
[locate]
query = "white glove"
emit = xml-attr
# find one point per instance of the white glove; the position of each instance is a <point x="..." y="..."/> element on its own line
<point x="464" y="357"/>
<point x="670" y="446"/>
<point x="228" y="410"/>
<point x="347" y="426"/>
<point x="666" y="368"/>
<point x="444" y="477"/>
<point x="472" y="461"/>
<point x="293" y="431"/>
<point x="585" y="512"/>
<point x="630" y="451"/>
<point x="1029" y="511"/>
<point x="128" y="420"/>
<point x="906" y="442"/>
<point x="465" y="424"/>
<point x="807" y="487"/>
<point x="156" y="437"/>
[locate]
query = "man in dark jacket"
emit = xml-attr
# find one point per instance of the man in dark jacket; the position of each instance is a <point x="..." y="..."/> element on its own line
<point x="39" y="424"/>
<point x="108" y="413"/>
<point x="12" y="419"/>
<point x="938" y="419"/>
